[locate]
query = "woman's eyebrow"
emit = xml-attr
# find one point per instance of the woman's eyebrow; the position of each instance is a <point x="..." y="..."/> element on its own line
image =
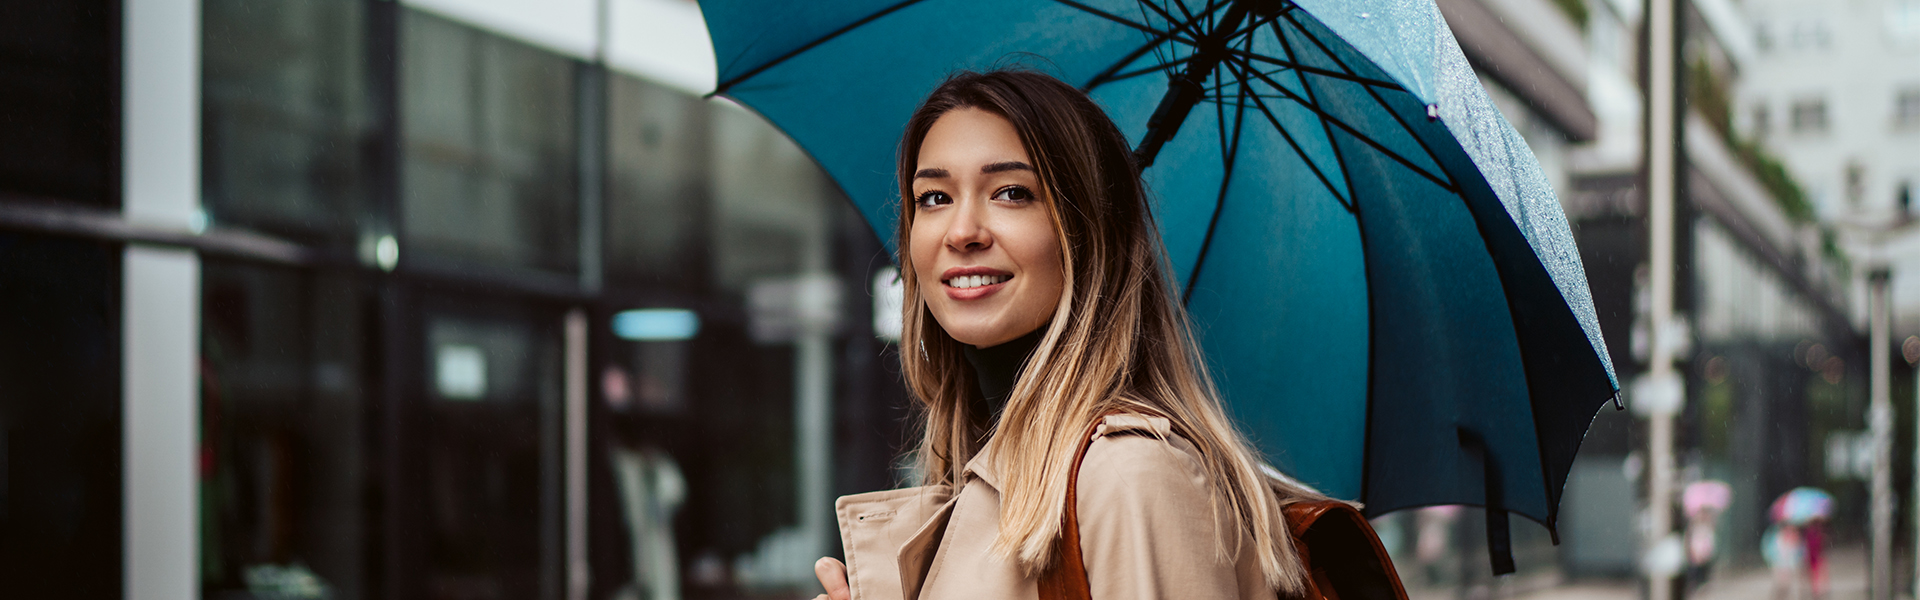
<point x="930" y="174"/>
<point x="1011" y="165"/>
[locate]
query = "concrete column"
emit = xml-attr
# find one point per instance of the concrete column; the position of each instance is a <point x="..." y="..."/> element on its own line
<point x="161" y="296"/>
<point x="1663" y="188"/>
<point x="1880" y="424"/>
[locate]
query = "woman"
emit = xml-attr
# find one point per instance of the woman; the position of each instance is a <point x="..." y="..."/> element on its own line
<point x="1039" y="309"/>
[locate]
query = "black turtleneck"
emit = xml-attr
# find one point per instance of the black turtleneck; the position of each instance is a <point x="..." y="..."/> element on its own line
<point x="998" y="367"/>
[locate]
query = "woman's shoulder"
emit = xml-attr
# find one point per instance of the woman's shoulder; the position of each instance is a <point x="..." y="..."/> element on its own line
<point x="1140" y="457"/>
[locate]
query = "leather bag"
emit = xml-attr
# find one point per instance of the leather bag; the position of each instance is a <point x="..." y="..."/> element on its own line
<point x="1341" y="553"/>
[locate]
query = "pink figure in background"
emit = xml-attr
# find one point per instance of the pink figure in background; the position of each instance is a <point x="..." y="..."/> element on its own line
<point x="1433" y="539"/>
<point x="1813" y="535"/>
<point x="1703" y="501"/>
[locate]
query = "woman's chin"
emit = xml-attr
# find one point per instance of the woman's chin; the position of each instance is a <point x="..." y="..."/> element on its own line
<point x="985" y="336"/>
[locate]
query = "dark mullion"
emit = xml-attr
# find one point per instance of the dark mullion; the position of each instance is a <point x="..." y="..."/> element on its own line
<point x="391" y="551"/>
<point x="590" y="149"/>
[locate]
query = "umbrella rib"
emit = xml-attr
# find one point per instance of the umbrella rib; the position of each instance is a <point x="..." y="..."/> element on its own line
<point x="1143" y="70"/>
<point x="1357" y="134"/>
<point x="1115" y="18"/>
<point x="1346" y="173"/>
<point x="1370" y="82"/>
<point x="728" y="84"/>
<point x="1148" y="4"/>
<point x="1230" y="153"/>
<point x="1106" y="74"/>
<point x="1376" y="97"/>
<point x="1295" y="144"/>
<point x="1253" y="26"/>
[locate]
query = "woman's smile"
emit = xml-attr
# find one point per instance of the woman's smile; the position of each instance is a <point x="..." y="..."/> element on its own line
<point x="974" y="283"/>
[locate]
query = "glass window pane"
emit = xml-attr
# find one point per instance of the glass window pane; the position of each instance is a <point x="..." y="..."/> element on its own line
<point x="713" y="211"/>
<point x="60" y="491"/>
<point x="489" y="165"/>
<point x="492" y="480"/>
<point x="285" y="116"/>
<point x="61" y="73"/>
<point x="656" y="168"/>
<point x="282" y="422"/>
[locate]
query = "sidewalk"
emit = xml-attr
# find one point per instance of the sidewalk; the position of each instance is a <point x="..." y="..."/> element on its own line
<point x="1846" y="580"/>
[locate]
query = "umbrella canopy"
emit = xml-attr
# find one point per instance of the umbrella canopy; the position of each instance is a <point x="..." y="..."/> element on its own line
<point x="1380" y="274"/>
<point x="1705" y="497"/>
<point x="1801" y="505"/>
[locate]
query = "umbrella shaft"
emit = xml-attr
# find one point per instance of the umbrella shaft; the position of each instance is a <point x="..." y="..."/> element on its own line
<point x="1186" y="90"/>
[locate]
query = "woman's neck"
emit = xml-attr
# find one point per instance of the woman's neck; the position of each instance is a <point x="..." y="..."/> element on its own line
<point x="997" y="367"/>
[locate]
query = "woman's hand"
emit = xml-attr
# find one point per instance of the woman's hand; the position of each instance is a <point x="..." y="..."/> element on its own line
<point x="833" y="577"/>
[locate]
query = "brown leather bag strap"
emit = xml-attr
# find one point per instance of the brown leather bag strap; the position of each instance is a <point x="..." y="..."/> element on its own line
<point x="1360" y="569"/>
<point x="1067" y="578"/>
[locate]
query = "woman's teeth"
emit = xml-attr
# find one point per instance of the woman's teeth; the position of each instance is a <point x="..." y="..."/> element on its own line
<point x="974" y="281"/>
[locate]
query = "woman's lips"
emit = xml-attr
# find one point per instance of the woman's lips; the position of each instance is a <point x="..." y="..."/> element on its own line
<point x="975" y="292"/>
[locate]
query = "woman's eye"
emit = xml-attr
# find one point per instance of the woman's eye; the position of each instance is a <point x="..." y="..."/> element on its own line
<point x="931" y="199"/>
<point x="1014" y="193"/>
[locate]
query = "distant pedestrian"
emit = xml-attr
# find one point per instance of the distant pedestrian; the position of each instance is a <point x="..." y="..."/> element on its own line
<point x="1796" y="544"/>
<point x="1785" y="553"/>
<point x="1703" y="502"/>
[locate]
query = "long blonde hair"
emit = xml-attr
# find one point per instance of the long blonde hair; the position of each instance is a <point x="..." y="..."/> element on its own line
<point x="1118" y="339"/>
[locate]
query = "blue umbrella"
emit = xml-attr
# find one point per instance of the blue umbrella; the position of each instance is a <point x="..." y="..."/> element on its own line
<point x="1380" y="273"/>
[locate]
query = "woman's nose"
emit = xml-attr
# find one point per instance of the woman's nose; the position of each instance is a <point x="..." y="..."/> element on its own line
<point x="968" y="231"/>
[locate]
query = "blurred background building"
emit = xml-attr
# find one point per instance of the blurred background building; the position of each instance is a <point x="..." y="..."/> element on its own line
<point x="446" y="299"/>
<point x="482" y="299"/>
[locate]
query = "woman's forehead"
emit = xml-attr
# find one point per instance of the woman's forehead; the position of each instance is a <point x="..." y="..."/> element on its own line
<point x="972" y="139"/>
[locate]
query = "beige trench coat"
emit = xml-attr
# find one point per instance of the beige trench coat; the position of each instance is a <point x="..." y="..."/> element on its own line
<point x="1147" y="529"/>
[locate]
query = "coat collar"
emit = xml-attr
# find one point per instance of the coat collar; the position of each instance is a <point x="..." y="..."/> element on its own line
<point x="982" y="466"/>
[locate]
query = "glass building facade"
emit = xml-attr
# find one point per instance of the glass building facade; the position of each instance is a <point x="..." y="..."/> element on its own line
<point x="440" y="405"/>
<point x="477" y="319"/>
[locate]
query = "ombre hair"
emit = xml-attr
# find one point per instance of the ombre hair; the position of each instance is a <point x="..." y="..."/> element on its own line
<point x="1119" y="340"/>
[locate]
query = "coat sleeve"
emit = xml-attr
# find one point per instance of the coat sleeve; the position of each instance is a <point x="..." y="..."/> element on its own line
<point x="1147" y="524"/>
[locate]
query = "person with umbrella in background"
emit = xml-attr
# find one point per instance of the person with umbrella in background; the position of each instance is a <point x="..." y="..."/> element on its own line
<point x="1702" y="502"/>
<point x="1796" y="543"/>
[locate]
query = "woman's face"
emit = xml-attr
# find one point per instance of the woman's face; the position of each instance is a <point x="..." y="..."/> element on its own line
<point x="984" y="249"/>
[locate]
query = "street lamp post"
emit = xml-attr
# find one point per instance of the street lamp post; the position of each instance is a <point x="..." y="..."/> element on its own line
<point x="1662" y="152"/>
<point x="1880" y="406"/>
<point x="1880" y="424"/>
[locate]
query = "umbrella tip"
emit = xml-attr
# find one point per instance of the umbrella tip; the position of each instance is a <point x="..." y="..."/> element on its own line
<point x="1616" y="402"/>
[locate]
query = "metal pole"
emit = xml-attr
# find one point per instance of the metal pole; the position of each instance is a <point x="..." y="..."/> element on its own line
<point x="1916" y="482"/>
<point x="1662" y="146"/>
<point x="1880" y="423"/>
<point x="574" y="418"/>
<point x="813" y="390"/>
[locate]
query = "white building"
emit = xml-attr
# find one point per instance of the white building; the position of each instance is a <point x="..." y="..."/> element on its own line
<point x="1833" y="89"/>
